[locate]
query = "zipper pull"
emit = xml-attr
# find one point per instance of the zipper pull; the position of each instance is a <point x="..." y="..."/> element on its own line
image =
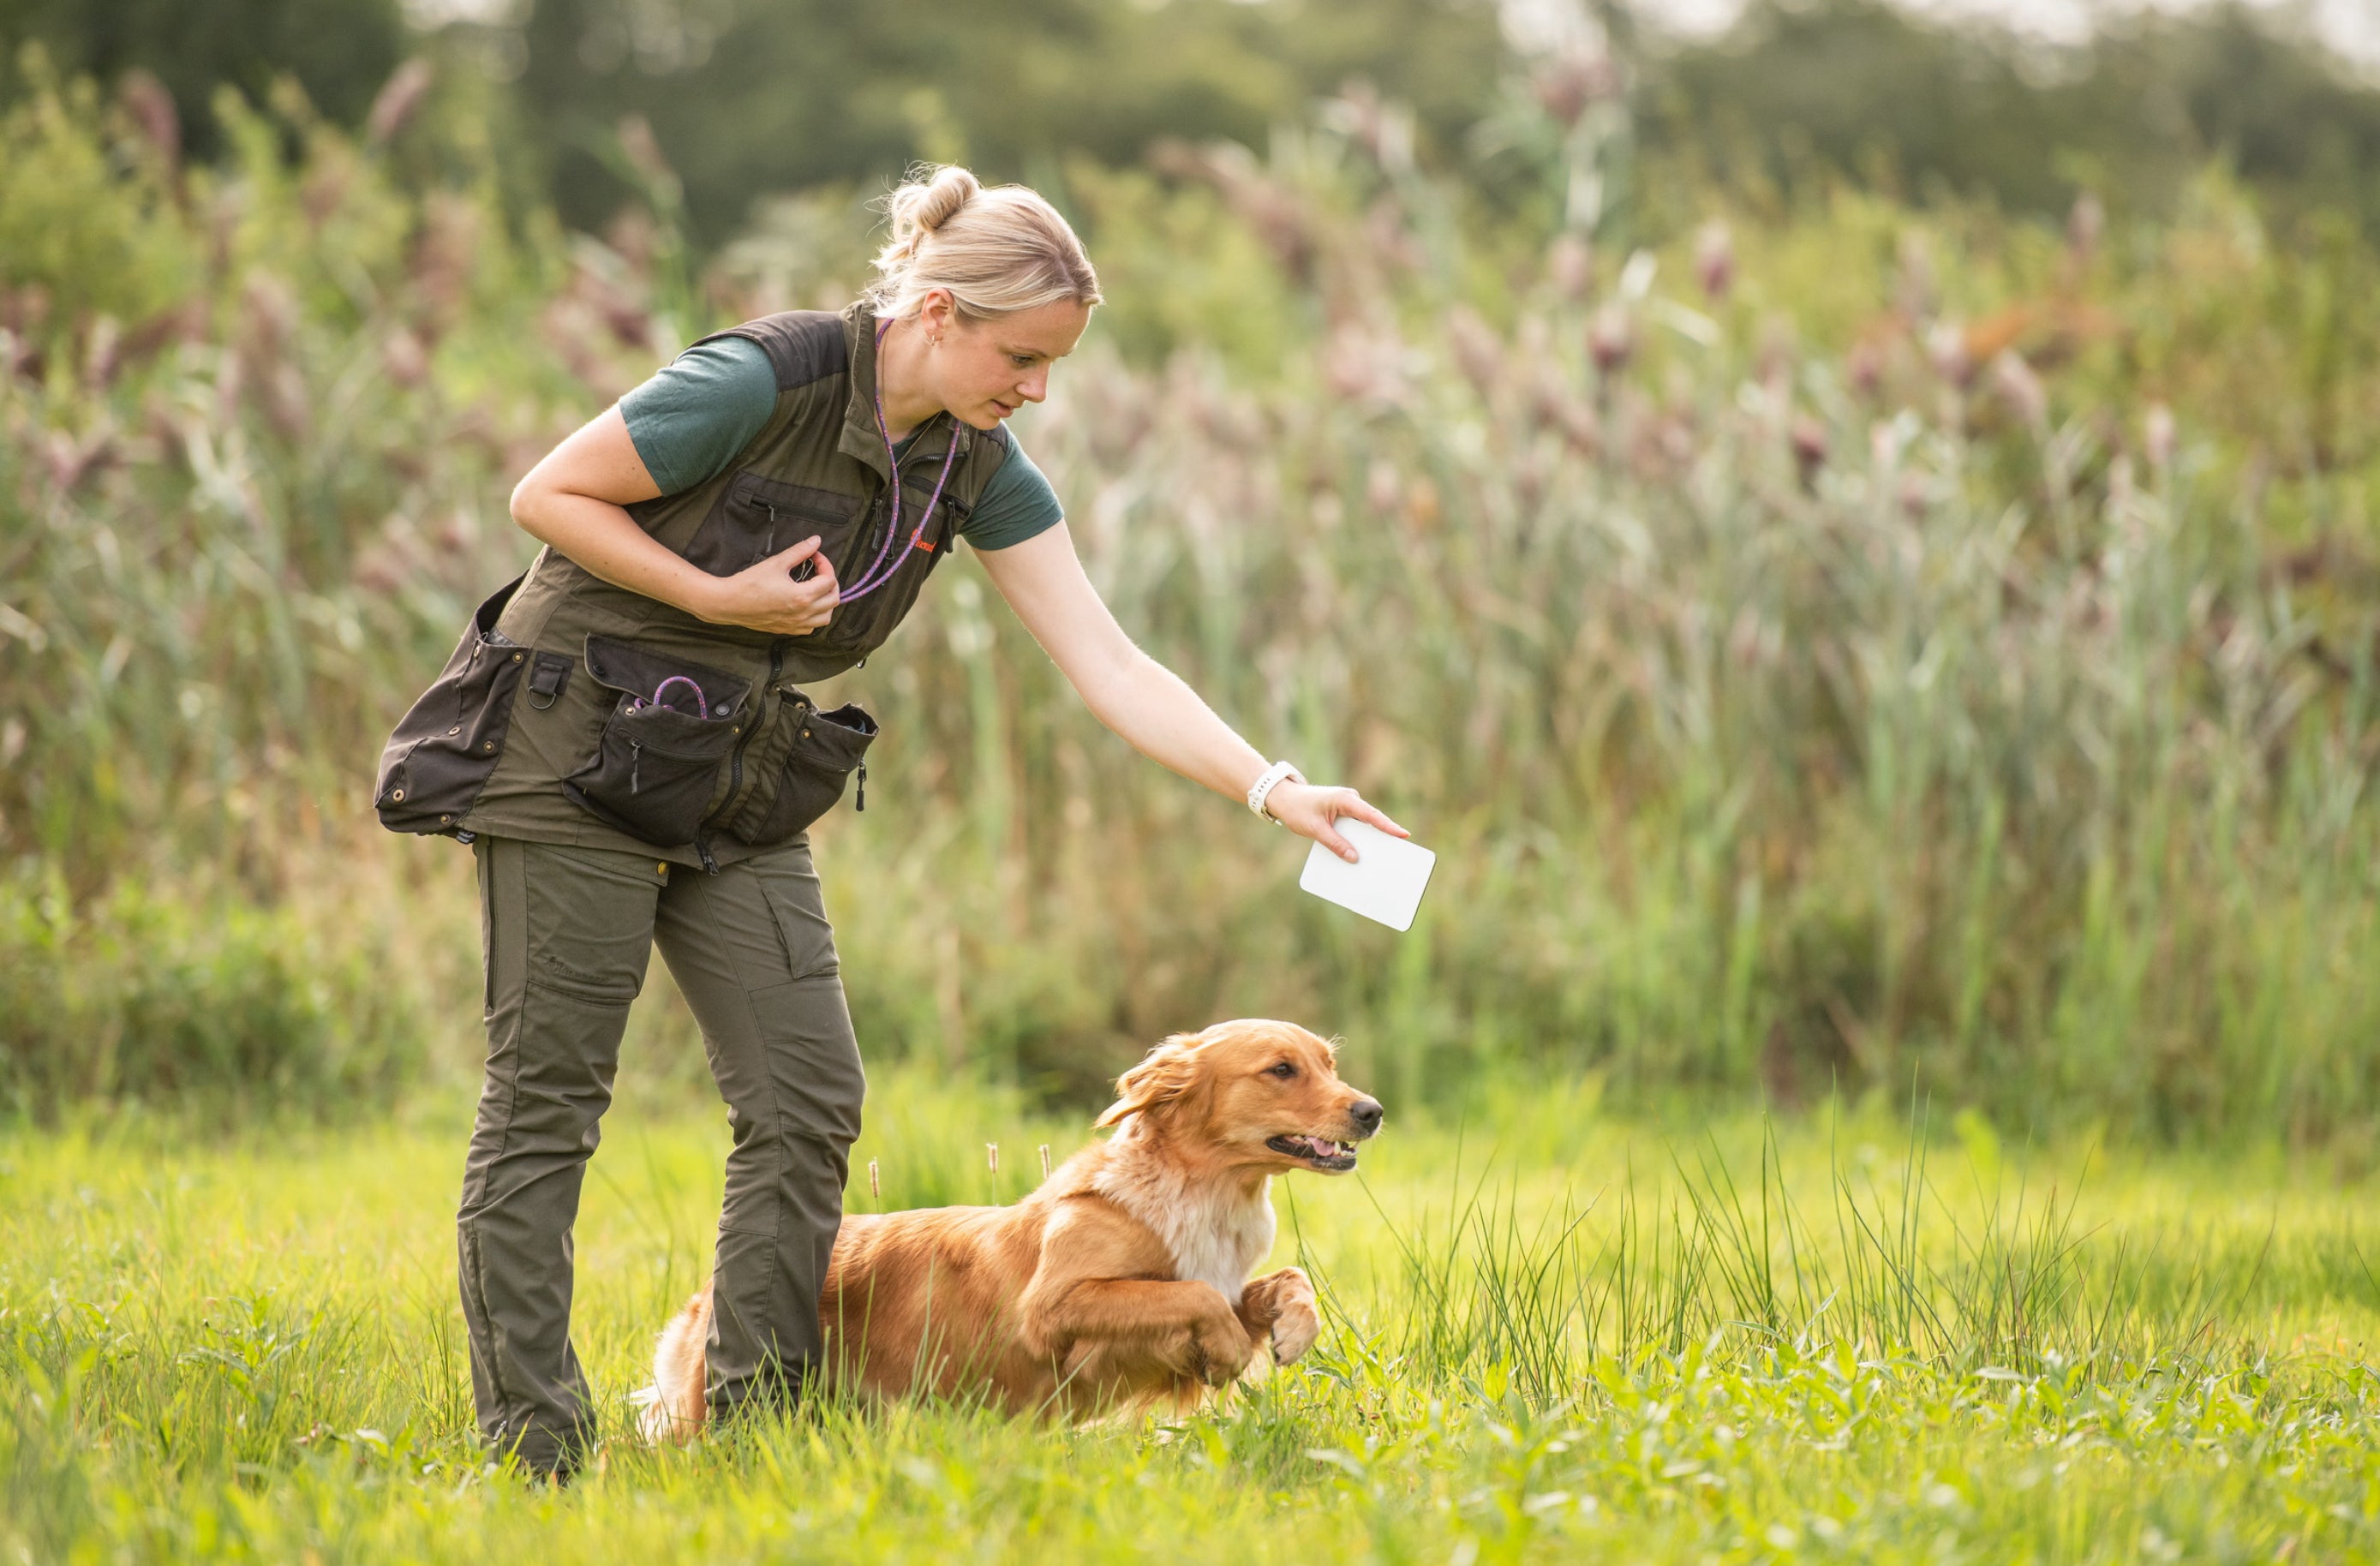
<point x="635" y="761"/>
<point x="863" y="785"/>
<point x="702" y="852"/>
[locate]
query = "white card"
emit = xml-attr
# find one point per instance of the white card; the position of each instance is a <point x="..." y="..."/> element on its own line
<point x="1385" y="882"/>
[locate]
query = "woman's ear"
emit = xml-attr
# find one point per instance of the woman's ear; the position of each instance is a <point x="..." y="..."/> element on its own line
<point x="1163" y="1075"/>
<point x="936" y="312"/>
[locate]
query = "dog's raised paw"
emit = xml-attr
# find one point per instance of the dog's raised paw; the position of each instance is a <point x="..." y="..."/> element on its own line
<point x="1293" y="1331"/>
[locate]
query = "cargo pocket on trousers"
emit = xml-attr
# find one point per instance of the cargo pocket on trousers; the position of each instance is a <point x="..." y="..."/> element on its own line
<point x="662" y="760"/>
<point x="828" y="747"/>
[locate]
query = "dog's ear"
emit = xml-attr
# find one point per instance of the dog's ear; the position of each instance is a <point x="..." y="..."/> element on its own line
<point x="1163" y="1075"/>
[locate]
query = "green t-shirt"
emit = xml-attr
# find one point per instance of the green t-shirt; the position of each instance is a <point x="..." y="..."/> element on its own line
<point x="691" y="418"/>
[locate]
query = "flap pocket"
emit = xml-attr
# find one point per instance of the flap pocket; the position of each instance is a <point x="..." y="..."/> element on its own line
<point x="445" y="749"/>
<point x="804" y="500"/>
<point x="658" y="679"/>
<point x="661" y="764"/>
<point x="836" y="740"/>
<point x="826" y="748"/>
<point x="756" y="516"/>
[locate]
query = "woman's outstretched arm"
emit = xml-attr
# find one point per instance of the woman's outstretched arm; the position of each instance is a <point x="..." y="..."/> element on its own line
<point x="1144" y="701"/>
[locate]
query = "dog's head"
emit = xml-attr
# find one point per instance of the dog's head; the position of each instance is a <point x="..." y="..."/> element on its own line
<point x="1261" y="1094"/>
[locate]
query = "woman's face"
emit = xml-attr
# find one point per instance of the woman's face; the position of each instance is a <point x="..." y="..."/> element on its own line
<point x="984" y="370"/>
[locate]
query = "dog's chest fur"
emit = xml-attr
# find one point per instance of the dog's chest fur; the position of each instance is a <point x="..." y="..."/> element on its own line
<point x="1217" y="1235"/>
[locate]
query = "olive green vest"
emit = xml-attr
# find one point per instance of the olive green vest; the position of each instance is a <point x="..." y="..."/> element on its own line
<point x="575" y="711"/>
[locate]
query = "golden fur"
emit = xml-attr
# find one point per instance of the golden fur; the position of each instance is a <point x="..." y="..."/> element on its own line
<point x="1123" y="1281"/>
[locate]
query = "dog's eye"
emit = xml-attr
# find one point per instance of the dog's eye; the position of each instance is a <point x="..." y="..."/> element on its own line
<point x="1284" y="1071"/>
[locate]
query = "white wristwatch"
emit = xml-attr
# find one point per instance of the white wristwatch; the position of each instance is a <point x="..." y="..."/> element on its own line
<point x="1266" y="783"/>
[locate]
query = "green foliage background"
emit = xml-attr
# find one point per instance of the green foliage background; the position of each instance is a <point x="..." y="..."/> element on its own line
<point x="1857" y="612"/>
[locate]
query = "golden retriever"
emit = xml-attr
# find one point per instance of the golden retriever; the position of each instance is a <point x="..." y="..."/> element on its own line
<point x="1121" y="1283"/>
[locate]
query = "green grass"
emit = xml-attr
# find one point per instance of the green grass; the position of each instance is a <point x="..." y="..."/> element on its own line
<point x="1550" y="1333"/>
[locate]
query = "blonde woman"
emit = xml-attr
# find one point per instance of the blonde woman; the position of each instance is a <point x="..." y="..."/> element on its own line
<point x="624" y="737"/>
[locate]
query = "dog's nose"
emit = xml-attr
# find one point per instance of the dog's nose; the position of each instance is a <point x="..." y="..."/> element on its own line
<point x="1367" y="1115"/>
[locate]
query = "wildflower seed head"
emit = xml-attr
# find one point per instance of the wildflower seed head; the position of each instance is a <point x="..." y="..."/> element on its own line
<point x="1570" y="266"/>
<point x="2020" y="387"/>
<point x="1808" y="438"/>
<point x="1611" y="339"/>
<point x="1946" y="348"/>
<point x="2084" y="225"/>
<point x="2157" y="435"/>
<point x="1715" y="260"/>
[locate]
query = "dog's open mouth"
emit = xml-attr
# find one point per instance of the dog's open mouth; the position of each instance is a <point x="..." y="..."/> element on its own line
<point x="1319" y="1151"/>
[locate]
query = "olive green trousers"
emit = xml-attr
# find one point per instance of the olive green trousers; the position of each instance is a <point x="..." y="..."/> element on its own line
<point x="567" y="934"/>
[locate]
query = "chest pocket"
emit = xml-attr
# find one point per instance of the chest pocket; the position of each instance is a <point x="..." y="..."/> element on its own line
<point x="860" y="625"/>
<point x="756" y="516"/>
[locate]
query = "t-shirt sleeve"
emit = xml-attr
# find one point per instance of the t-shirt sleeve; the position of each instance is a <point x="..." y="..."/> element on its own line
<point x="1016" y="505"/>
<point x="691" y="418"/>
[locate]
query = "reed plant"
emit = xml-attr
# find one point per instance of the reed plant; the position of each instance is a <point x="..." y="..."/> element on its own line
<point x="1832" y="647"/>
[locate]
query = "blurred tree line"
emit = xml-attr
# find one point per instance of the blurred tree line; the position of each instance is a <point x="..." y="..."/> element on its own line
<point x="744" y="99"/>
<point x="1917" y="109"/>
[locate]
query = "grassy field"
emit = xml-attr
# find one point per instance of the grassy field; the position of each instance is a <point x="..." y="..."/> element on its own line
<point x="1607" y="1338"/>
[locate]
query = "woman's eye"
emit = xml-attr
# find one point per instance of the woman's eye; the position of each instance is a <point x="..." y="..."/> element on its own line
<point x="1022" y="361"/>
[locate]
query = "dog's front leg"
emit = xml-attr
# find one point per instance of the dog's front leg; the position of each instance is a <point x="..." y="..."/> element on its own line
<point x="1281" y="1304"/>
<point x="1187" y="1328"/>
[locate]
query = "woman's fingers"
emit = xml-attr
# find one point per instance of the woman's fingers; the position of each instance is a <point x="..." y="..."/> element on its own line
<point x="774" y="596"/>
<point x="1363" y="812"/>
<point x="1314" y="812"/>
<point x="789" y="562"/>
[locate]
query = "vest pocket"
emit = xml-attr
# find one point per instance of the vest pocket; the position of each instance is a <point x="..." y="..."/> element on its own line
<point x="666" y="752"/>
<point x="754" y="518"/>
<point x="826" y="748"/>
<point x="445" y="747"/>
<point x="861" y="626"/>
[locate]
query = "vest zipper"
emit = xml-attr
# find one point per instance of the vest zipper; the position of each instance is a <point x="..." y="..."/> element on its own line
<point x="735" y="757"/>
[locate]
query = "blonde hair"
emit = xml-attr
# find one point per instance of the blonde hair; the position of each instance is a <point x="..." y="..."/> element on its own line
<point x="997" y="251"/>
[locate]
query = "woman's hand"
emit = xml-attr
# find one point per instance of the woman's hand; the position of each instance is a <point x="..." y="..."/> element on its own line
<point x="576" y="500"/>
<point x="776" y="596"/>
<point x="1311" y="812"/>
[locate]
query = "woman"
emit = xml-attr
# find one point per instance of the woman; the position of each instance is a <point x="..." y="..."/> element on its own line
<point x="623" y="737"/>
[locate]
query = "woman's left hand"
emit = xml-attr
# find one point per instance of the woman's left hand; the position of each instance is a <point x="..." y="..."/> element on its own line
<point x="1310" y="811"/>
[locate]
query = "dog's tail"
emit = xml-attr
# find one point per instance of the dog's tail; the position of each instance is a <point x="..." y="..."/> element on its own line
<point x="672" y="1408"/>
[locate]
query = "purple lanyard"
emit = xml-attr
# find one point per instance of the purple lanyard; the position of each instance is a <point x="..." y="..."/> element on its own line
<point x="879" y="572"/>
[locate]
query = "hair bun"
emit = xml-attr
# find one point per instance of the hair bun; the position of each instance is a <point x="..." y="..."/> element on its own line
<point x="995" y="251"/>
<point x="922" y="205"/>
<point x="941" y="200"/>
